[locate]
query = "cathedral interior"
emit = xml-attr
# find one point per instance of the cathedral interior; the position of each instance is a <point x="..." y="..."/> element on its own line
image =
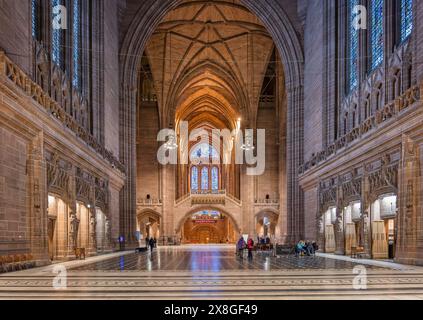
<point x="195" y="123"/>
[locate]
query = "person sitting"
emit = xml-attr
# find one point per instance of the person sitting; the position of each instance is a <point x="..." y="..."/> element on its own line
<point x="315" y="246"/>
<point x="267" y="240"/>
<point x="300" y="248"/>
<point x="309" y="249"/>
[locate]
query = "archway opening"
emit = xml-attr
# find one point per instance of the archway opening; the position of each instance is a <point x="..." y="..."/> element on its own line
<point x="266" y="223"/>
<point x="149" y="224"/>
<point x="215" y="66"/>
<point x="58" y="212"/>
<point x="208" y="227"/>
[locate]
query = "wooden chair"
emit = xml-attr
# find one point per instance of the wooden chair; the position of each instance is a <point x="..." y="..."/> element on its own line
<point x="357" y="252"/>
<point x="79" y="253"/>
<point x="3" y="267"/>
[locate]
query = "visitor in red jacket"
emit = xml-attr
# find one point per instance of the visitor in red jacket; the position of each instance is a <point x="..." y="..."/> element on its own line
<point x="250" y="247"/>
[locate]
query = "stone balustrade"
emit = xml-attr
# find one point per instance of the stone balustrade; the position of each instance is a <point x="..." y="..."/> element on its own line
<point x="150" y="203"/>
<point x="266" y="202"/>
<point x="208" y="197"/>
<point x="10" y="72"/>
<point x="389" y="112"/>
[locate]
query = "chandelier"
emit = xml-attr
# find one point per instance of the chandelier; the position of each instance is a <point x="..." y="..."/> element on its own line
<point x="171" y="143"/>
<point x="248" y="145"/>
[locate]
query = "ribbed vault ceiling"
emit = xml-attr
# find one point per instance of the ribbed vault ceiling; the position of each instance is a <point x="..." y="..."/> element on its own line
<point x="208" y="60"/>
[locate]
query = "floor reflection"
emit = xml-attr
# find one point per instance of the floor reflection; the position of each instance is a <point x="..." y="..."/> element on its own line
<point x="212" y="259"/>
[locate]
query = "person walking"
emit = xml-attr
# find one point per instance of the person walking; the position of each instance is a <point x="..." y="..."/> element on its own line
<point x="240" y="247"/>
<point x="152" y="244"/>
<point x="250" y="247"/>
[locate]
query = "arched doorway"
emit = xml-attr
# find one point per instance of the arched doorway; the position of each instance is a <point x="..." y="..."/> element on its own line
<point x="148" y="225"/>
<point x="276" y="21"/>
<point x="266" y="222"/>
<point x="58" y="212"/>
<point x="208" y="227"/>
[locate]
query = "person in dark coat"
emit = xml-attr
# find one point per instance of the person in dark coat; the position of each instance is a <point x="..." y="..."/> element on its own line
<point x="152" y="244"/>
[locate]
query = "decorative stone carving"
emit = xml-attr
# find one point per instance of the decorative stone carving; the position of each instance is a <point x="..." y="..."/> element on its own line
<point x="73" y="230"/>
<point x="53" y="103"/>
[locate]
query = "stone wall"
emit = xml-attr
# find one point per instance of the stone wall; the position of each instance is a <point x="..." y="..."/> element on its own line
<point x="111" y="76"/>
<point x="15" y="35"/>
<point x="14" y="224"/>
<point x="313" y="80"/>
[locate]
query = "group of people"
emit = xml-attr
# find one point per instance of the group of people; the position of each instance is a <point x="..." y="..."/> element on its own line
<point x="242" y="245"/>
<point x="306" y="247"/>
<point x="263" y="240"/>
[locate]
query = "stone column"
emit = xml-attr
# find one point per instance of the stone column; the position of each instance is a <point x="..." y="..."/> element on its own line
<point x="339" y="235"/>
<point x="73" y="224"/>
<point x="92" y="231"/>
<point x="365" y="217"/>
<point x="168" y="182"/>
<point x="409" y="239"/>
<point x="320" y="227"/>
<point x="108" y="235"/>
<point x="38" y="200"/>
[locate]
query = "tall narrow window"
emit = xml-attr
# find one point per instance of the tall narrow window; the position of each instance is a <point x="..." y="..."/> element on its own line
<point x="35" y="19"/>
<point x="76" y="44"/>
<point x="205" y="179"/>
<point x="215" y="178"/>
<point x="194" y="179"/>
<point x="406" y="19"/>
<point x="377" y="33"/>
<point x="353" y="39"/>
<point x="57" y="38"/>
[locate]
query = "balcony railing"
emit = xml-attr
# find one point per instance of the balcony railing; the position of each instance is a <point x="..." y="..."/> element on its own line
<point x="149" y="202"/>
<point x="208" y="197"/>
<point x="266" y="202"/>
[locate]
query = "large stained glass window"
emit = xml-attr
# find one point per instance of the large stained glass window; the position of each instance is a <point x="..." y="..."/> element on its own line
<point x="406" y="19"/>
<point x="205" y="178"/>
<point x="76" y="44"/>
<point x="194" y="179"/>
<point x="215" y="178"/>
<point x="353" y="37"/>
<point x="377" y="33"/>
<point x="56" y="38"/>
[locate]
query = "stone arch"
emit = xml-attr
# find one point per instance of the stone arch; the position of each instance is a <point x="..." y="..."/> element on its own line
<point x="184" y="218"/>
<point x="148" y="213"/>
<point x="274" y="18"/>
<point x="271" y="210"/>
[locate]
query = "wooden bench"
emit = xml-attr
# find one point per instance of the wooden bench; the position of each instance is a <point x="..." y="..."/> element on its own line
<point x="357" y="252"/>
<point x="16" y="262"/>
<point x="79" y="253"/>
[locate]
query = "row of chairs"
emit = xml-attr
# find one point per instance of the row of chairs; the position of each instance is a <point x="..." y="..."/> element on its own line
<point x="16" y="262"/>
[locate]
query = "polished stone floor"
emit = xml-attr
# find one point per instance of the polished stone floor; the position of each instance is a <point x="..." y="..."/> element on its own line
<point x="213" y="259"/>
<point x="214" y="272"/>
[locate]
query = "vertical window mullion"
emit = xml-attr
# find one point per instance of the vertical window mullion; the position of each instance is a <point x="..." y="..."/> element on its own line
<point x="353" y="47"/>
<point x="377" y="43"/>
<point x="76" y="44"/>
<point x="56" y="39"/>
<point x="406" y="19"/>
